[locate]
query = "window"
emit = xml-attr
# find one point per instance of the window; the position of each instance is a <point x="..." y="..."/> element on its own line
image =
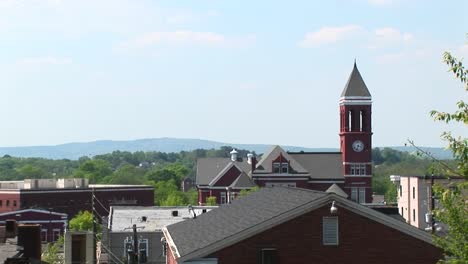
<point x="414" y="192"/>
<point x="1" y="203"/>
<point x="280" y="184"/>
<point x="354" y="194"/>
<point x="330" y="230"/>
<point x="164" y="248"/>
<point x="362" y="170"/>
<point x="414" y="215"/>
<point x="269" y="256"/>
<point x="7" y="203"/>
<point x="55" y="234"/>
<point x="357" y="169"/>
<point x="14" y="203"/>
<point x="402" y="210"/>
<point x="401" y="190"/>
<point x="43" y="235"/>
<point x="232" y="196"/>
<point x="276" y="167"/>
<point x="223" y="197"/>
<point x="284" y="167"/>
<point x="362" y="195"/>
<point x="358" y="194"/>
<point x="142" y="246"/>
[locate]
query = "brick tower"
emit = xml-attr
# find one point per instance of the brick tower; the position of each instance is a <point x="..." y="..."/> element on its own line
<point x="356" y="138"/>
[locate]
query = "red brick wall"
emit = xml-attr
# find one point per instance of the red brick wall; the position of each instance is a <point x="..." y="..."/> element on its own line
<point x="8" y="202"/>
<point x="170" y="257"/>
<point x="71" y="202"/>
<point x="360" y="241"/>
<point x="229" y="177"/>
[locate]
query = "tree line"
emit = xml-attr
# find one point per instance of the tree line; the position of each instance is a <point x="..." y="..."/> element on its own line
<point x="165" y="171"/>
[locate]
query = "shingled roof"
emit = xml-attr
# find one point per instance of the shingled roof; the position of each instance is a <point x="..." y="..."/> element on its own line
<point x="355" y="85"/>
<point x="257" y="212"/>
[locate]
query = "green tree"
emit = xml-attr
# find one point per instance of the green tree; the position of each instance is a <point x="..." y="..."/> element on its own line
<point x="82" y="221"/>
<point x="95" y="170"/>
<point x="175" y="198"/>
<point x="52" y="254"/>
<point x="453" y="206"/>
<point x="211" y="200"/>
<point x="246" y="192"/>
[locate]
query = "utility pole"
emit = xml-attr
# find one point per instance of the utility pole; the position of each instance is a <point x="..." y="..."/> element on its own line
<point x="135" y="245"/>
<point x="432" y="204"/>
<point x="94" y="226"/>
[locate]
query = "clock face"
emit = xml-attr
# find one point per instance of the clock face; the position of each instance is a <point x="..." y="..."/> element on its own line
<point x="358" y="146"/>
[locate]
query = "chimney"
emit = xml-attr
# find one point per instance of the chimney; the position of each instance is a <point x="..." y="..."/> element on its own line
<point x="249" y="158"/>
<point x="233" y="155"/>
<point x="10" y="228"/>
<point x="29" y="237"/>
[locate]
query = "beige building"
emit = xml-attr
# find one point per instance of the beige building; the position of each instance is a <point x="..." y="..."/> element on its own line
<point x="414" y="197"/>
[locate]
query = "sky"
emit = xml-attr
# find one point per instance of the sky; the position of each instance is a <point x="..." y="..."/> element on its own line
<point x="267" y="72"/>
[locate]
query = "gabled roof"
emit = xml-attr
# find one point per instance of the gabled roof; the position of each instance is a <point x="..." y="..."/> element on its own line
<point x="321" y="165"/>
<point x="265" y="164"/>
<point x="243" y="181"/>
<point x="209" y="168"/>
<point x="336" y="190"/>
<point x="355" y="85"/>
<point x="258" y="212"/>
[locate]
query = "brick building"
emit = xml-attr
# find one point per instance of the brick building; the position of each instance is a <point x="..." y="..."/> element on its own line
<point x="70" y="196"/>
<point x="52" y="224"/>
<point x="292" y="225"/>
<point x="350" y="169"/>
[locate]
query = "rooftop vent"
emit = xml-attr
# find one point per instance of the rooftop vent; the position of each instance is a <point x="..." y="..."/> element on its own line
<point x="203" y="211"/>
<point x="175" y="213"/>
<point x="233" y="154"/>
<point x="144" y="218"/>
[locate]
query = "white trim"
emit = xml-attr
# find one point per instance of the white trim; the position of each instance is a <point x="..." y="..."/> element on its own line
<point x="301" y="210"/>
<point x="171" y="244"/>
<point x="368" y="187"/>
<point x="282" y="179"/>
<point x="358" y="176"/>
<point x="277" y="175"/>
<point x="355" y="97"/>
<point x="351" y="163"/>
<point x="38" y="221"/>
<point x="355" y="102"/>
<point x="319" y="181"/>
<point x="223" y="171"/>
<point x="35" y="211"/>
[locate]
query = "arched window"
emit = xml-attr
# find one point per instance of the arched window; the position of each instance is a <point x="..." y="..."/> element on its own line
<point x="350" y="120"/>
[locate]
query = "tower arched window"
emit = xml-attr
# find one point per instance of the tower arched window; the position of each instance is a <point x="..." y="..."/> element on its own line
<point x="350" y="120"/>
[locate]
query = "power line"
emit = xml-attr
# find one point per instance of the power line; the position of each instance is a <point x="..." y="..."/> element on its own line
<point x="111" y="253"/>
<point x="94" y="196"/>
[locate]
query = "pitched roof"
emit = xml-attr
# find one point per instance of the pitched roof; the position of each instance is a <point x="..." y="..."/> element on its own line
<point x="265" y="163"/>
<point x="336" y="190"/>
<point x="243" y="181"/>
<point x="355" y="85"/>
<point x="236" y="217"/>
<point x="321" y="165"/>
<point x="209" y="168"/>
<point x="257" y="212"/>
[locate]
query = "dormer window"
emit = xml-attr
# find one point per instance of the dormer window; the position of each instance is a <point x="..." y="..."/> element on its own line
<point x="276" y="167"/>
<point x="284" y="167"/>
<point x="280" y="167"/>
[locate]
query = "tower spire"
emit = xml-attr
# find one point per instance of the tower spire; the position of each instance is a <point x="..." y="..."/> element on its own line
<point x="355" y="85"/>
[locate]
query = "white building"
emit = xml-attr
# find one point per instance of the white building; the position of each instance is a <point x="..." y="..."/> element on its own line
<point x="414" y="196"/>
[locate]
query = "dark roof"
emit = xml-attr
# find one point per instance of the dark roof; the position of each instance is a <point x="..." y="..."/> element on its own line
<point x="321" y="165"/>
<point x="209" y="168"/>
<point x="355" y="85"/>
<point x="242" y="214"/>
<point x="260" y="211"/>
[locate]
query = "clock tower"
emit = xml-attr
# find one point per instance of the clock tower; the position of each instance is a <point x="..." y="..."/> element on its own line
<point x="356" y="138"/>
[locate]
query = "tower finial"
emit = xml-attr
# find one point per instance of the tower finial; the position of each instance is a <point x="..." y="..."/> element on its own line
<point x="354" y="61"/>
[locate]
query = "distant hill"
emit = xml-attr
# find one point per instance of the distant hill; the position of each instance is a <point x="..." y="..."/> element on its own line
<point x="77" y="150"/>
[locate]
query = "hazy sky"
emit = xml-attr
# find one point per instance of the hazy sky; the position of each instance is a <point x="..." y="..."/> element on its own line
<point x="233" y="71"/>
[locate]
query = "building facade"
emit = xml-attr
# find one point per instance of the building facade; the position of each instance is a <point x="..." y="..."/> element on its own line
<point x="290" y="225"/>
<point x="350" y="169"/>
<point x="70" y="196"/>
<point x="415" y="197"/>
<point x="53" y="224"/>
